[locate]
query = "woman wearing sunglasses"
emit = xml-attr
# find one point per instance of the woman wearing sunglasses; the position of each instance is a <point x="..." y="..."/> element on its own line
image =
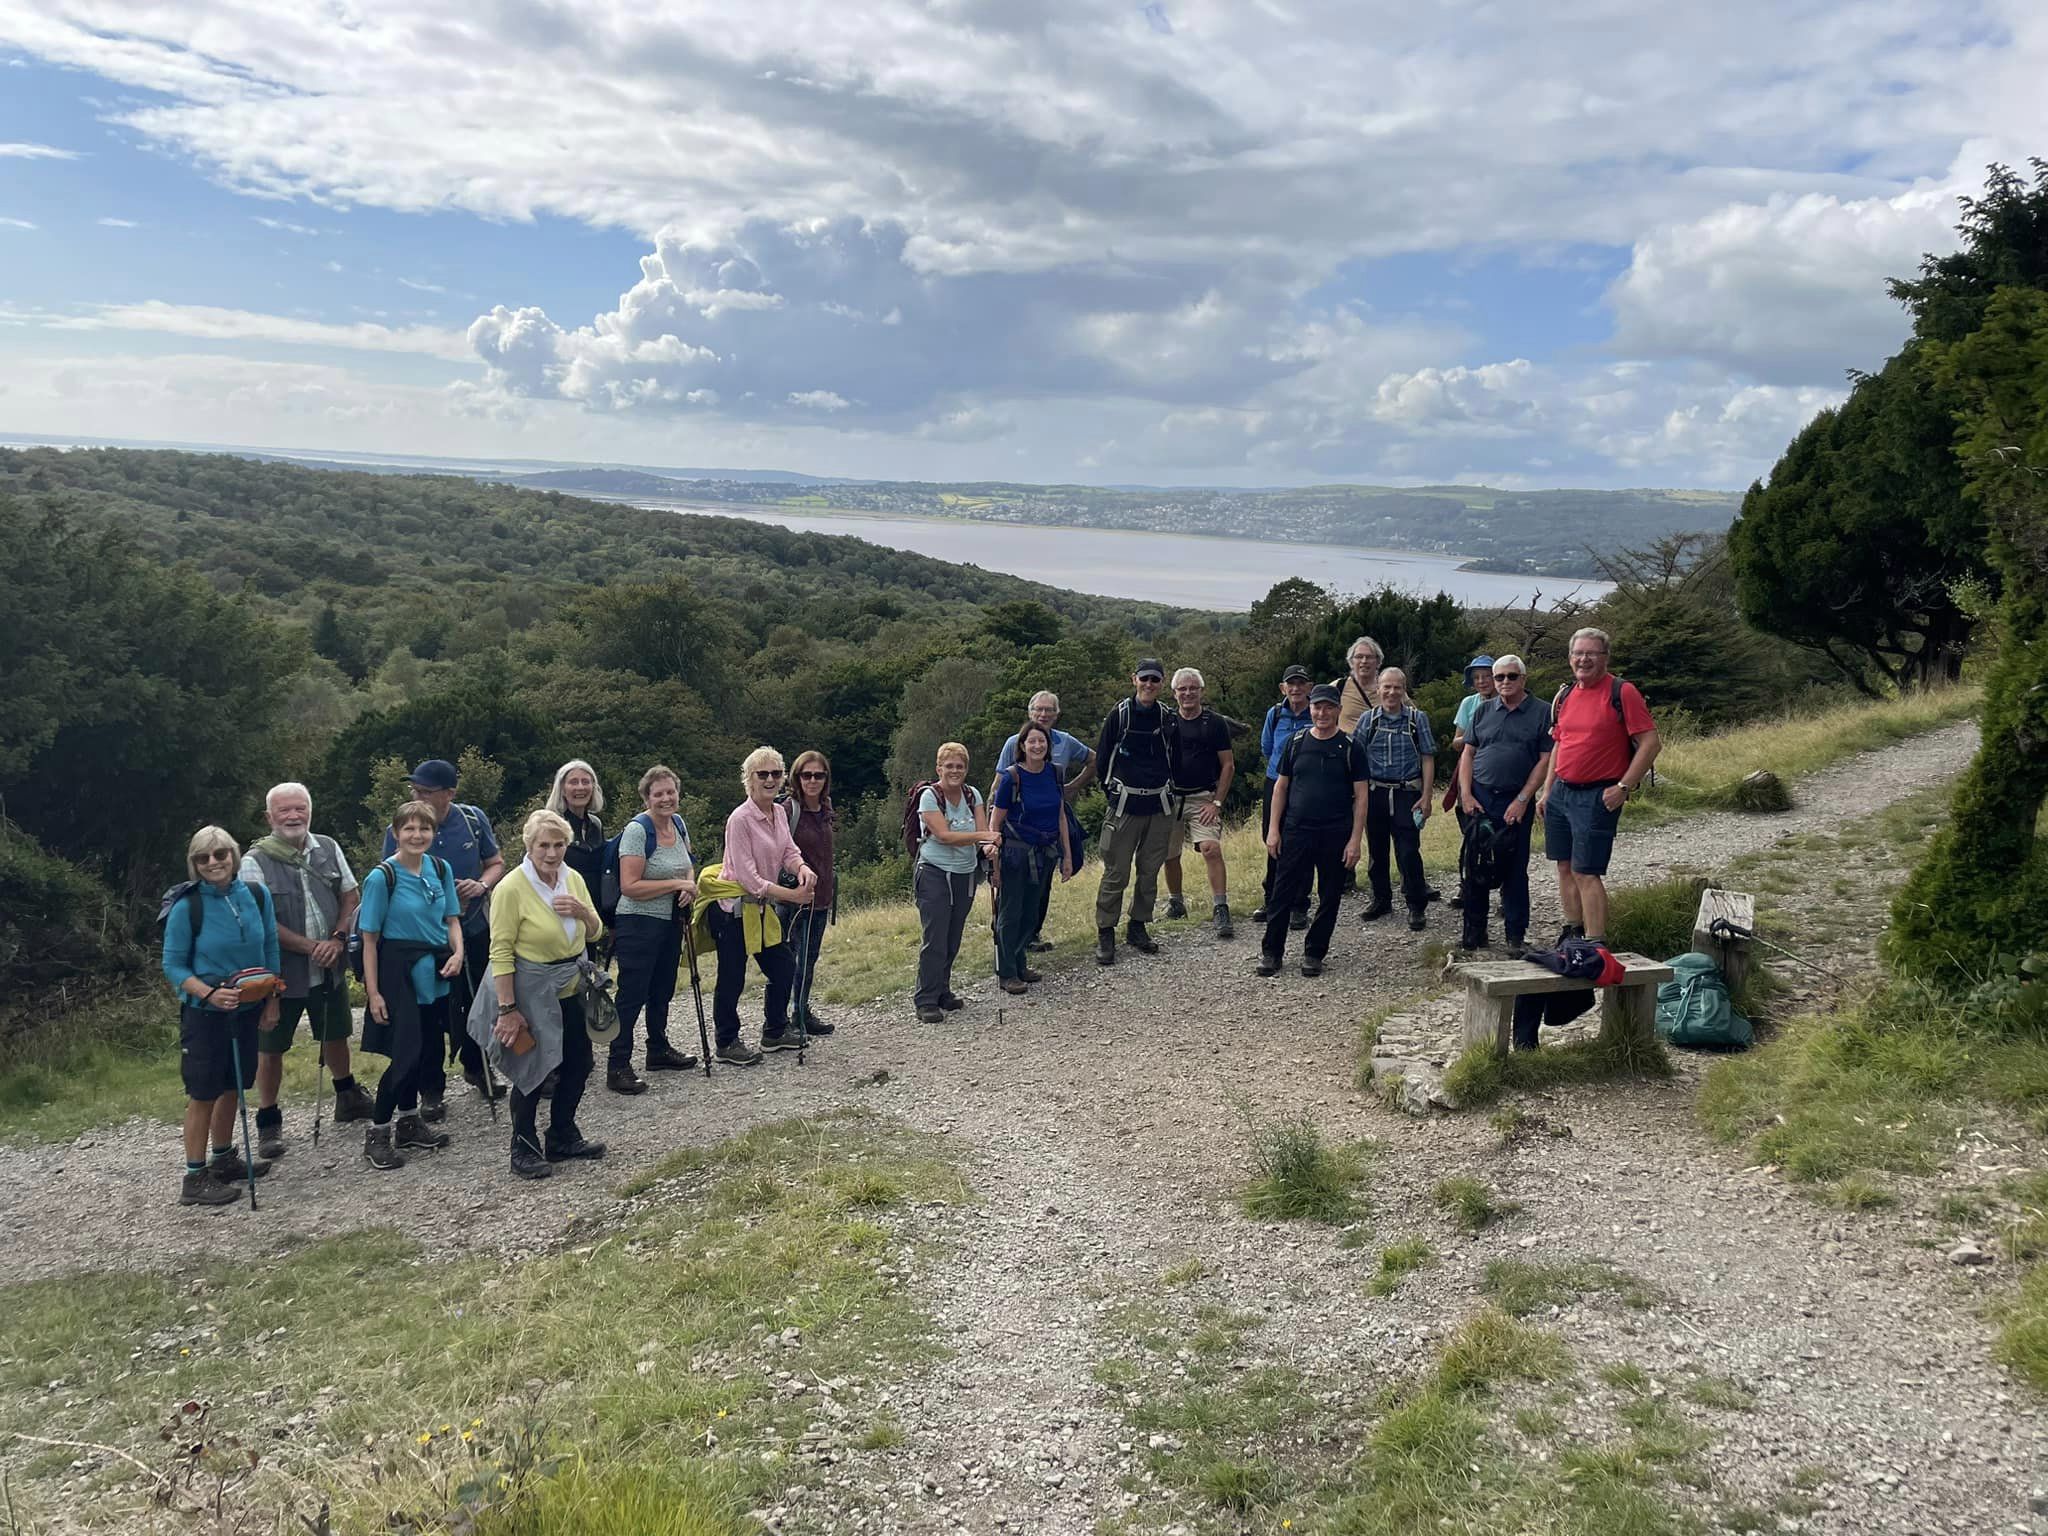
<point x="812" y="823"/>
<point x="758" y="852"/>
<point x="220" y="940"/>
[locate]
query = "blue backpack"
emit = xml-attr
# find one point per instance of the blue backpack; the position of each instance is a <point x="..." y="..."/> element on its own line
<point x="608" y="880"/>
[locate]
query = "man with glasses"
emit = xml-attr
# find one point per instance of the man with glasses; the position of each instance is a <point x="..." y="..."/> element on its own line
<point x="1501" y="767"/>
<point x="1203" y="766"/>
<point x="1073" y="760"/>
<point x="1133" y="756"/>
<point x="1284" y="721"/>
<point x="1605" y="742"/>
<point x="1399" y="751"/>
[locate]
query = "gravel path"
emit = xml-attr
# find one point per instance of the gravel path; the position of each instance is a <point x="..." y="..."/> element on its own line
<point x="1101" y="1119"/>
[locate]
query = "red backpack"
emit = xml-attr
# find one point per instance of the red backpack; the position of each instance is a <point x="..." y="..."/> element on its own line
<point x="913" y="819"/>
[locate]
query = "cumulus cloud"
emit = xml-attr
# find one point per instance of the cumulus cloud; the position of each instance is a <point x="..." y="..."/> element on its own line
<point x="969" y="424"/>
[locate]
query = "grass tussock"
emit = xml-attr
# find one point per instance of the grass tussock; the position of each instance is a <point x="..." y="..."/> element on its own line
<point x="1470" y="1204"/>
<point x="1398" y="1261"/>
<point x="1298" y="1176"/>
<point x="435" y="1388"/>
<point x="1522" y="1286"/>
<point x="2023" y="1330"/>
<point x="1481" y="1076"/>
<point x="1655" y="919"/>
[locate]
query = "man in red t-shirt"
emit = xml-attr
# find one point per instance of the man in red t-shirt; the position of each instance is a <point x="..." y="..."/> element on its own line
<point x="1606" y="742"/>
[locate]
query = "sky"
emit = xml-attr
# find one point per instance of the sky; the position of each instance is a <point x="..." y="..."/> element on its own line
<point x="1257" y="242"/>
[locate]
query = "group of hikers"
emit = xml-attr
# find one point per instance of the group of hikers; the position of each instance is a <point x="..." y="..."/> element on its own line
<point x="507" y="970"/>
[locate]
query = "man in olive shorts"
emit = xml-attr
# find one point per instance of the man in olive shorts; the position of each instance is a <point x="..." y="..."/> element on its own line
<point x="1203" y="766"/>
<point x="315" y="894"/>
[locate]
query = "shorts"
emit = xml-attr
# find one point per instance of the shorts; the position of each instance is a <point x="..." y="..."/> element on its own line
<point x="1578" y="829"/>
<point x="325" y="1010"/>
<point x="207" y="1039"/>
<point x="1186" y="829"/>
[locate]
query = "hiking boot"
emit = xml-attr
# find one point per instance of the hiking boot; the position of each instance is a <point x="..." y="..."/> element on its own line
<point x="813" y="1025"/>
<point x="433" y="1110"/>
<point x="1375" y="911"/>
<point x="1136" y="936"/>
<point x="791" y="1039"/>
<point x="1039" y="946"/>
<point x="475" y="1079"/>
<point x="1029" y="976"/>
<point x="739" y="1054"/>
<point x="951" y="1003"/>
<point x="931" y="1015"/>
<point x="1223" y="928"/>
<point x="1015" y="987"/>
<point x="624" y="1080"/>
<point x="229" y="1168"/>
<point x="412" y="1131"/>
<point x="1432" y="894"/>
<point x="1105" y="946"/>
<point x="1260" y="914"/>
<point x="1473" y="936"/>
<point x="576" y="1149"/>
<point x="1298" y="919"/>
<point x="1175" y="908"/>
<point x="666" y="1058"/>
<point x="529" y="1164"/>
<point x="270" y="1140"/>
<point x="1269" y="965"/>
<point x="1417" y="921"/>
<point x="1311" y="965"/>
<point x="381" y="1148"/>
<point x="1569" y="931"/>
<point x="203" y="1189"/>
<point x="1457" y="901"/>
<point x="1515" y="943"/>
<point x="352" y="1104"/>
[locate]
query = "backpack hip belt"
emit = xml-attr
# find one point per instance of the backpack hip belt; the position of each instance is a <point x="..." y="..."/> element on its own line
<point x="1119" y="792"/>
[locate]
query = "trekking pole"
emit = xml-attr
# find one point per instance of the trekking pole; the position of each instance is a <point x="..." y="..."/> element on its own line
<point x="799" y="1013"/>
<point x="483" y="1056"/>
<point x="697" y="994"/>
<point x="242" y="1098"/>
<point x="320" y="1089"/>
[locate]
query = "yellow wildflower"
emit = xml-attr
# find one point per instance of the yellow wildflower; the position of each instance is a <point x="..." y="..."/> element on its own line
<point x="426" y="1437"/>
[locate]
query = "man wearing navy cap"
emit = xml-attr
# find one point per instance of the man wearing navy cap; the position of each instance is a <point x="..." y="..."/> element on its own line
<point x="1317" y="824"/>
<point x="465" y="841"/>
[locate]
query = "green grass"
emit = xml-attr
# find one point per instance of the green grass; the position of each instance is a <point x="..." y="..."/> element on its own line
<point x="1655" y="919"/>
<point x="2023" y="1330"/>
<point x="1398" y="1261"/>
<point x="1187" y="1272"/>
<point x="644" y="1361"/>
<point x="1470" y="1204"/>
<point x="1523" y="1286"/>
<point x="1719" y="1392"/>
<point x="1625" y="1376"/>
<point x="1480" y="1075"/>
<point x="1493" y="1349"/>
<point x="1297" y="1176"/>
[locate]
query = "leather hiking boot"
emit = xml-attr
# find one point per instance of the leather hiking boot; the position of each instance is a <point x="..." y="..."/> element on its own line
<point x="529" y="1164"/>
<point x="1418" y="919"/>
<point x="951" y="1003"/>
<point x="1105" y="946"/>
<point x="433" y="1110"/>
<point x="1515" y="943"/>
<point x="229" y="1168"/>
<point x="1311" y="965"/>
<point x="381" y="1148"/>
<point x="1269" y="965"/>
<point x="1143" y="942"/>
<point x="1223" y="928"/>
<point x="1015" y="987"/>
<point x="270" y="1142"/>
<point x="1297" y="920"/>
<point x="412" y="1131"/>
<point x="577" y="1148"/>
<point x="1375" y="911"/>
<point x="624" y="1080"/>
<point x="739" y="1054"/>
<point x="1176" y="908"/>
<point x="1029" y="976"/>
<point x="791" y="1039"/>
<point x="352" y="1104"/>
<point x="1260" y="914"/>
<point x="931" y="1015"/>
<point x="202" y="1188"/>
<point x="1039" y="946"/>
<point x="666" y="1058"/>
<point x="813" y="1025"/>
<point x="1569" y="931"/>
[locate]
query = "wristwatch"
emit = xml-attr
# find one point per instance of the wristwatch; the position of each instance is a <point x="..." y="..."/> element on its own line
<point x="505" y="1008"/>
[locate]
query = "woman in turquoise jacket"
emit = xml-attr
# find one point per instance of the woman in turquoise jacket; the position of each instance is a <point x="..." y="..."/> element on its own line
<point x="220" y="940"/>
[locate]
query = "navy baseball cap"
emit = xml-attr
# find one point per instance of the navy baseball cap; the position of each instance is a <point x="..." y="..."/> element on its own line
<point x="1323" y="693"/>
<point x="1150" y="667"/>
<point x="434" y="773"/>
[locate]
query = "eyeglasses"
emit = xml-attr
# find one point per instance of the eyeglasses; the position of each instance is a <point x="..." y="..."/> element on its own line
<point x="226" y="855"/>
<point x="810" y="773"/>
<point x="1506" y="677"/>
<point x="768" y="775"/>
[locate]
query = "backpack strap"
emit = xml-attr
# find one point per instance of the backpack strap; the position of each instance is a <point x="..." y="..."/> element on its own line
<point x="470" y="814"/>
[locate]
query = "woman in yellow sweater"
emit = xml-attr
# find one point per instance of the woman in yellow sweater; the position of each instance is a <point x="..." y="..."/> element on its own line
<point x="541" y="918"/>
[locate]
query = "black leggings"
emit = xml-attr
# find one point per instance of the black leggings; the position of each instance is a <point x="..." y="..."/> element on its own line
<point x="415" y="1067"/>
<point x="570" y="1077"/>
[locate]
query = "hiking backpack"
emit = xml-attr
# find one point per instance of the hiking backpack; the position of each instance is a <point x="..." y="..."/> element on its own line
<point x="1695" y="1010"/>
<point x="190" y="892"/>
<point x="1613" y="699"/>
<point x="608" y="877"/>
<point x="1482" y="861"/>
<point x="354" y="947"/>
<point x="1124" y="733"/>
<point x="1372" y="728"/>
<point x="913" y="819"/>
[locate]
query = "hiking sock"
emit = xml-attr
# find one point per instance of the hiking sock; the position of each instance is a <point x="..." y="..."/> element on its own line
<point x="1595" y="938"/>
<point x="221" y="1152"/>
<point x="192" y="1167"/>
<point x="269" y="1116"/>
<point x="343" y="1084"/>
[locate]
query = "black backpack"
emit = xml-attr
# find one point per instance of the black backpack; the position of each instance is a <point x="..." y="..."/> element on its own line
<point x="1483" y="859"/>
<point x="354" y="947"/>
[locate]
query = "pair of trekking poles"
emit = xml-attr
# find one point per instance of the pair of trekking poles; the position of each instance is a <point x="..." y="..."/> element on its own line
<point x="798" y="936"/>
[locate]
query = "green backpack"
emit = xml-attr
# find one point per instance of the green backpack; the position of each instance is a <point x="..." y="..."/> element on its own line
<point x="1694" y="1009"/>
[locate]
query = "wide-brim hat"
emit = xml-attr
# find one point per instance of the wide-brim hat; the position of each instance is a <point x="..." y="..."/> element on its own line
<point x="1474" y="665"/>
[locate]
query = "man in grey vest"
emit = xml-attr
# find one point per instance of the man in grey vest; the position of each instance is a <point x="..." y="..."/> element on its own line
<point x="314" y="892"/>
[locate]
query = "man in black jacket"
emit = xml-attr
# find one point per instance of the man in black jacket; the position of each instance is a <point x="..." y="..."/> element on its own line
<point x="1134" y="761"/>
<point x="1314" y="834"/>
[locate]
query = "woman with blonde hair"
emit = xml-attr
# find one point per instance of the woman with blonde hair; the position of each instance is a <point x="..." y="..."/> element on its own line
<point x="541" y="919"/>
<point x="955" y="836"/>
<point x="759" y="851"/>
<point x="222" y="960"/>
<point x="657" y="883"/>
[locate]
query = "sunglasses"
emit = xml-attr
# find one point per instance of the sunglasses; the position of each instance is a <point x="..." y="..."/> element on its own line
<point x="1506" y="677"/>
<point x="768" y="775"/>
<point x="217" y="855"/>
<point x="810" y="773"/>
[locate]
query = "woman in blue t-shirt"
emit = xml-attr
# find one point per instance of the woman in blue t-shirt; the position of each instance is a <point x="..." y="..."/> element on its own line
<point x="411" y="923"/>
<point x="1030" y="824"/>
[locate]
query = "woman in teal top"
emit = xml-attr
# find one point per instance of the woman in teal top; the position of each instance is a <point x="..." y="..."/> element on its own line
<point x="411" y="922"/>
<point x="955" y="834"/>
<point x="216" y="931"/>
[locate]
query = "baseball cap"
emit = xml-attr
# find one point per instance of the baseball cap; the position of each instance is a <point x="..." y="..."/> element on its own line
<point x="1323" y="693"/>
<point x="1295" y="674"/>
<point x="434" y="773"/>
<point x="1149" y="667"/>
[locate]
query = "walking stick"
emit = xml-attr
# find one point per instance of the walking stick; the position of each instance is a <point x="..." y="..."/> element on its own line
<point x="800" y="999"/>
<point x="483" y="1057"/>
<point x="242" y="1098"/>
<point x="697" y="993"/>
<point x="320" y="1091"/>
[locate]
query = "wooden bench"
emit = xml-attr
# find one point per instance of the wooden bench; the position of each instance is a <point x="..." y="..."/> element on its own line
<point x="1491" y="987"/>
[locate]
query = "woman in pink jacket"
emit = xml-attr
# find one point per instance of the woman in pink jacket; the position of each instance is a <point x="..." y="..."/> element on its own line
<point x="759" y="851"/>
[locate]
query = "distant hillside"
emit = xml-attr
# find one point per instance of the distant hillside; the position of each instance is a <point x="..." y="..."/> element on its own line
<point x="603" y="482"/>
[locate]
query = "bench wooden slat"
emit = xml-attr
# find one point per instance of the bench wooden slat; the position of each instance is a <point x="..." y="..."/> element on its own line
<point x="1520" y="978"/>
